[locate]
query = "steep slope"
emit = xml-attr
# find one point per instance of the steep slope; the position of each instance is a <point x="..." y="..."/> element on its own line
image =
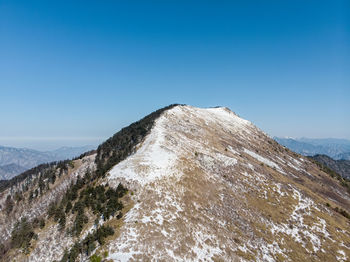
<point x="211" y="186"/>
<point x="30" y="197"/>
<point x="60" y="210"/>
<point x="204" y="185"/>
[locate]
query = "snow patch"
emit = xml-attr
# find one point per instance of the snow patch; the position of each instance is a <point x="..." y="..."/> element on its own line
<point x="299" y="228"/>
<point x="151" y="161"/>
<point x="262" y="159"/>
<point x="341" y="256"/>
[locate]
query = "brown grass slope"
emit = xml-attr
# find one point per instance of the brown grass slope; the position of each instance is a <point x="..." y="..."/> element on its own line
<point x="232" y="193"/>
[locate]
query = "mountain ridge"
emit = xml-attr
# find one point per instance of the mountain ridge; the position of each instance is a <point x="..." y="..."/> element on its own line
<point x="335" y="148"/>
<point x="203" y="184"/>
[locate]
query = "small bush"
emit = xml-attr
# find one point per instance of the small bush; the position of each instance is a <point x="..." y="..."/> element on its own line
<point x="22" y="234"/>
<point x="95" y="258"/>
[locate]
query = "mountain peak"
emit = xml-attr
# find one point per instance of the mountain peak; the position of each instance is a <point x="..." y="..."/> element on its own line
<point x="209" y="176"/>
<point x="204" y="184"/>
<point x="176" y="132"/>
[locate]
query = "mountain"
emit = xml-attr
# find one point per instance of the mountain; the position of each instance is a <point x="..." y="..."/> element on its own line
<point x="342" y="167"/>
<point x="23" y="157"/>
<point x="181" y="184"/>
<point x="70" y="152"/>
<point x="343" y="156"/>
<point x="334" y="148"/>
<point x="10" y="170"/>
<point x="14" y="161"/>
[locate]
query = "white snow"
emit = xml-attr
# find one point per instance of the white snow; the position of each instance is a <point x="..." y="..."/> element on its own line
<point x="295" y="164"/>
<point x="304" y="207"/>
<point x="232" y="150"/>
<point x="202" y="249"/>
<point x="277" y="189"/>
<point x="146" y="219"/>
<point x="262" y="159"/>
<point x="122" y="256"/>
<point x="223" y="116"/>
<point x="264" y="250"/>
<point x="227" y="161"/>
<point x="151" y="161"/>
<point x="341" y="256"/>
<point x="157" y="155"/>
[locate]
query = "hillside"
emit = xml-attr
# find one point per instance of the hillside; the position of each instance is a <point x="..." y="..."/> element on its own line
<point x="334" y="148"/>
<point x="342" y="167"/>
<point x="182" y="184"/>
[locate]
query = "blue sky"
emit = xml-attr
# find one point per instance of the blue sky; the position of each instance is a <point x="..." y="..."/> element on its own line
<point x="75" y="72"/>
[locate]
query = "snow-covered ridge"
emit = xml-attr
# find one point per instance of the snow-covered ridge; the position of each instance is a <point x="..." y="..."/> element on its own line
<point x="192" y="154"/>
<point x="157" y="155"/>
<point x="207" y="185"/>
<point x="151" y="156"/>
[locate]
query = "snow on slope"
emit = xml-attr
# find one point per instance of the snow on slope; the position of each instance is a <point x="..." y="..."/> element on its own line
<point x="261" y="159"/>
<point x="51" y="243"/>
<point x="206" y="185"/>
<point x="157" y="156"/>
<point x="201" y="193"/>
<point x="152" y="156"/>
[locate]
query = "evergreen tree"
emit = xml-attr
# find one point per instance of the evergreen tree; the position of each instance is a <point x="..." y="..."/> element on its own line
<point x="9" y="204"/>
<point x="68" y="207"/>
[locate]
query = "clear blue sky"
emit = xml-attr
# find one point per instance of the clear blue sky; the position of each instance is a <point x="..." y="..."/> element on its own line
<point x="75" y="72"/>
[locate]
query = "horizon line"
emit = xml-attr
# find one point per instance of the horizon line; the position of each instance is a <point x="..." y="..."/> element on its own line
<point x="36" y="138"/>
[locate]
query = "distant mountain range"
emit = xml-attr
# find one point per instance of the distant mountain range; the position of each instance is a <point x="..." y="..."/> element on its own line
<point x="14" y="161"/>
<point x="10" y="170"/>
<point x="342" y="167"/>
<point x="334" y="148"/>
